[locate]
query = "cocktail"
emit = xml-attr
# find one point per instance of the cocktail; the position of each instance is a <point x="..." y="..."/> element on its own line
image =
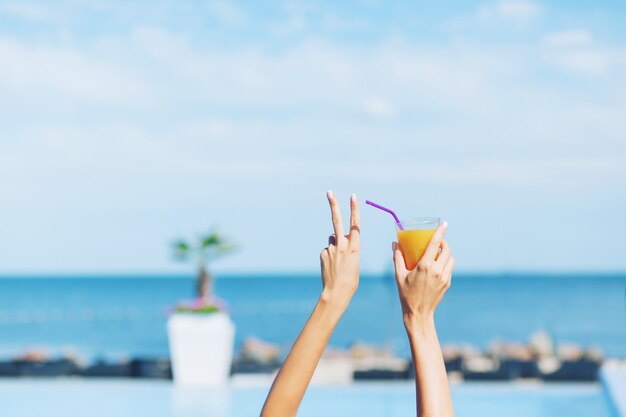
<point x="414" y="236"/>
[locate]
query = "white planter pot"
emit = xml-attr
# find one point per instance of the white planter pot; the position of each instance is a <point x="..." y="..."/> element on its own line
<point x="201" y="348"/>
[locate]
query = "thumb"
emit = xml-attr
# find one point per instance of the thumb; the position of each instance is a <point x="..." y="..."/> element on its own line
<point x="398" y="260"/>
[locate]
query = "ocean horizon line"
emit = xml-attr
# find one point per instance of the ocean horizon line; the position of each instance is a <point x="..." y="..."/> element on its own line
<point x="468" y="274"/>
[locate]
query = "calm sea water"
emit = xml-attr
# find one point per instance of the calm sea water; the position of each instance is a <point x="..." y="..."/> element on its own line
<point x="120" y="316"/>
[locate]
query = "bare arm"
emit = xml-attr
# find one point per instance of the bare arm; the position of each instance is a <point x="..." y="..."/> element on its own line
<point x="421" y="290"/>
<point x="340" y="276"/>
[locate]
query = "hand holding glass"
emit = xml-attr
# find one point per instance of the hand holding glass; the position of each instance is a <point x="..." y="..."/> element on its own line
<point x="414" y="236"/>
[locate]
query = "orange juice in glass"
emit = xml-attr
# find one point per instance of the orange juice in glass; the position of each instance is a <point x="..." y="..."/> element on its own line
<point x="414" y="236"/>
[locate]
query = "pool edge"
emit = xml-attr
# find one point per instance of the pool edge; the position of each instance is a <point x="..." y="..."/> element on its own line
<point x="613" y="378"/>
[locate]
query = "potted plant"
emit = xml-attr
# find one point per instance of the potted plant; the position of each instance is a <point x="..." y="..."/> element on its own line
<point x="201" y="334"/>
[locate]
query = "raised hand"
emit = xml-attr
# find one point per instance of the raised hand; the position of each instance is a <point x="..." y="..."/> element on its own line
<point x="422" y="288"/>
<point x="340" y="277"/>
<point x="340" y="260"/>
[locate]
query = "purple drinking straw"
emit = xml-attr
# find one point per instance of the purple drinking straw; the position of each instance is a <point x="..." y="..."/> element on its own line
<point x="378" y="206"/>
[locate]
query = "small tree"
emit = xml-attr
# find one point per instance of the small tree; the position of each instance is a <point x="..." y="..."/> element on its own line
<point x="203" y="250"/>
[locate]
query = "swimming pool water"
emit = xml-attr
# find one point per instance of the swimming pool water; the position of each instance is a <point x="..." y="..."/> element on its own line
<point x="123" y="398"/>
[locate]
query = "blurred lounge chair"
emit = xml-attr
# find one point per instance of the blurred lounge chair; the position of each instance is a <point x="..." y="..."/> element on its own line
<point x="151" y="368"/>
<point x="108" y="370"/>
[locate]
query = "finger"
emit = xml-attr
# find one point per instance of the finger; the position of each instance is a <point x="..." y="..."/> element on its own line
<point x="336" y="214"/>
<point x="450" y="265"/>
<point x="331" y="240"/>
<point x="355" y="217"/>
<point x="323" y="256"/>
<point x="433" y="247"/>
<point x="445" y="253"/>
<point x="398" y="260"/>
<point x="448" y="268"/>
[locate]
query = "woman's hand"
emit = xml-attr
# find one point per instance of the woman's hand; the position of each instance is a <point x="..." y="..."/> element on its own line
<point x="340" y="275"/>
<point x="422" y="288"/>
<point x="340" y="260"/>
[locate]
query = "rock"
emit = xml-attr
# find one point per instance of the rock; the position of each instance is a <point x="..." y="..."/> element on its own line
<point x="256" y="357"/>
<point x="259" y="351"/>
<point x="569" y="352"/>
<point x="333" y="370"/>
<point x="541" y="344"/>
<point x="361" y="351"/>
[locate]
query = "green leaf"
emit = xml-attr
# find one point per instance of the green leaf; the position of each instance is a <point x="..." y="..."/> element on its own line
<point x="182" y="250"/>
<point x="208" y="309"/>
<point x="213" y="239"/>
<point x="208" y="248"/>
<point x="226" y="247"/>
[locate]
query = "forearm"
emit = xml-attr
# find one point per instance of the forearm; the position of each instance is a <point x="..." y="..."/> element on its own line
<point x="295" y="374"/>
<point x="431" y="380"/>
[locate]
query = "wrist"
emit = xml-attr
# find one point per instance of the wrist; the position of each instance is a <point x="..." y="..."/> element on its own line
<point x="419" y="325"/>
<point x="334" y="301"/>
<point x="329" y="309"/>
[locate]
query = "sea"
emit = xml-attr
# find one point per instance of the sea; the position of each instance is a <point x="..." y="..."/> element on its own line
<point x="121" y="317"/>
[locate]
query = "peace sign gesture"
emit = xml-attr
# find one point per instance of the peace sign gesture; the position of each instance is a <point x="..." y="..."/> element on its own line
<point x="340" y="259"/>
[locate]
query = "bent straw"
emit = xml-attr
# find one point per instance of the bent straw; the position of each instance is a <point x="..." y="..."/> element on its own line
<point x="378" y="206"/>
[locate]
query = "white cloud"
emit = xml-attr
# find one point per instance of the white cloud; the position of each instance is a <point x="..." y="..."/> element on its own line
<point x="164" y="76"/>
<point x="61" y="75"/>
<point x="295" y="24"/>
<point x="574" y="51"/>
<point x="336" y="23"/>
<point x="25" y="10"/>
<point x="568" y="38"/>
<point x="162" y="121"/>
<point x="227" y="12"/>
<point x="540" y="174"/>
<point x="497" y="18"/>
<point x="378" y="108"/>
<point x="520" y="10"/>
<point x="586" y="62"/>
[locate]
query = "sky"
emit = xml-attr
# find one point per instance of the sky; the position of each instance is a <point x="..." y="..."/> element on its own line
<point x="126" y="125"/>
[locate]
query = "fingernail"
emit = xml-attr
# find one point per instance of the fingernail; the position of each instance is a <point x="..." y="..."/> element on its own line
<point x="352" y="197"/>
<point x="329" y="194"/>
<point x="445" y="224"/>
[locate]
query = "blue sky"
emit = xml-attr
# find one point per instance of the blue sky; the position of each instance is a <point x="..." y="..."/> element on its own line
<point x="128" y="124"/>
